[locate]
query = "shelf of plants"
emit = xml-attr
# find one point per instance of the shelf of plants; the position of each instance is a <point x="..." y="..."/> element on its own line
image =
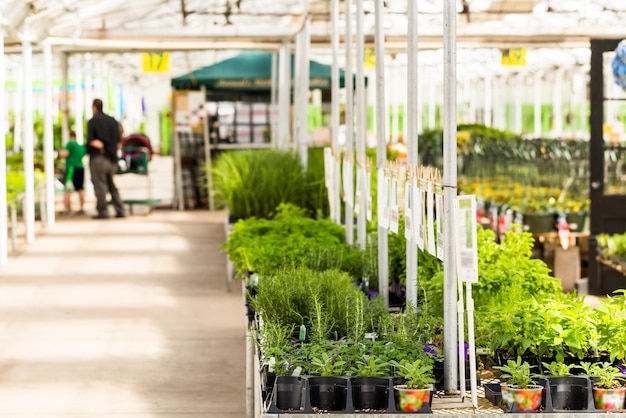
<point x="319" y="327"/>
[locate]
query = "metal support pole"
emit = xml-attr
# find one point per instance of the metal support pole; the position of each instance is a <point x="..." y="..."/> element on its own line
<point x="335" y="85"/>
<point x="361" y="125"/>
<point x="28" y="142"/>
<point x="449" y="194"/>
<point x="381" y="148"/>
<point x="284" y="94"/>
<point x="4" y="239"/>
<point x="18" y="108"/>
<point x="537" y="105"/>
<point x="207" y="152"/>
<point x="488" y="110"/>
<point x="65" y="130"/>
<point x="519" y="96"/>
<point x="349" y="121"/>
<point x="303" y="139"/>
<point x="48" y="137"/>
<point x="274" y="101"/>
<point x="410" y="140"/>
<point x="557" y="103"/>
<point x="14" y="227"/>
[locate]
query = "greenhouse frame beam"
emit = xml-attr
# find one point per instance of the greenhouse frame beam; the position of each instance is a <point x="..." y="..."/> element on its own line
<point x="361" y="123"/>
<point x="381" y="151"/>
<point x="450" y="287"/>
<point x="48" y="139"/>
<point x="28" y="206"/>
<point x="4" y="238"/>
<point x="349" y="124"/>
<point x="410" y="140"/>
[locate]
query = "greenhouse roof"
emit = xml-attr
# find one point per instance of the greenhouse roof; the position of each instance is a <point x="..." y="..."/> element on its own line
<point x="122" y="26"/>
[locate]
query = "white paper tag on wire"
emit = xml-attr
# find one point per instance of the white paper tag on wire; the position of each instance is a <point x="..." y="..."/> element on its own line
<point x="465" y="238"/>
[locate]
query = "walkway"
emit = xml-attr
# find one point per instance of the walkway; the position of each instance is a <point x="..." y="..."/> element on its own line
<point x="123" y="318"/>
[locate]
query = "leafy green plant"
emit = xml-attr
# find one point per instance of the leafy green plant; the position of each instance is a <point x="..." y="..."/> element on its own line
<point x="370" y="366"/>
<point x="517" y="372"/>
<point x="327" y="365"/>
<point x="418" y="374"/>
<point x="556" y="368"/>
<point x="608" y="376"/>
<point x="254" y="182"/>
<point x="610" y="322"/>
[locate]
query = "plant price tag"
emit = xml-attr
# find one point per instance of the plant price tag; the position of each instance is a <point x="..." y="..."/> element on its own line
<point x="383" y="199"/>
<point x="329" y="164"/>
<point x="465" y="238"/>
<point x="430" y="218"/>
<point x="348" y="186"/>
<point x="418" y="219"/>
<point x="439" y="220"/>
<point x="394" y="213"/>
<point x="408" y="211"/>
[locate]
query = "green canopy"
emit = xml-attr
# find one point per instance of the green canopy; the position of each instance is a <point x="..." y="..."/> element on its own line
<point x="250" y="71"/>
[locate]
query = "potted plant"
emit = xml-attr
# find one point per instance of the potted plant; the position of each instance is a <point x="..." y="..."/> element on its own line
<point x="414" y="394"/>
<point x="521" y="387"/>
<point x="608" y="389"/>
<point x="567" y="392"/>
<point x="328" y="391"/>
<point x="370" y="387"/>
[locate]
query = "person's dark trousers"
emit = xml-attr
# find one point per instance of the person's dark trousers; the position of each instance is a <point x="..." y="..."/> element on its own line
<point x="102" y="172"/>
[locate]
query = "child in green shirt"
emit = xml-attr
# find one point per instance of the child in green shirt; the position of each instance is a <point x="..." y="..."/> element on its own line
<point x="74" y="172"/>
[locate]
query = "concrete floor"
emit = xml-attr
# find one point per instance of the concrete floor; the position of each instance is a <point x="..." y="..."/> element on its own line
<point x="124" y="318"/>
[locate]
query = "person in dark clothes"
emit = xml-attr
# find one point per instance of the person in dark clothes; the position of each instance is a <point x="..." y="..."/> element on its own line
<point x="103" y="138"/>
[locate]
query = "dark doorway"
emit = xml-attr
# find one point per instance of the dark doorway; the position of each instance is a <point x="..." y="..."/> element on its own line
<point x="607" y="163"/>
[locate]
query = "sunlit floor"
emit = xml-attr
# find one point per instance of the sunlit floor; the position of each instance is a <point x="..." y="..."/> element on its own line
<point x="122" y="318"/>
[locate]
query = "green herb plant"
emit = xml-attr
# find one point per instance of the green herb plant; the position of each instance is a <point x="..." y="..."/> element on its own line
<point x="517" y="373"/>
<point x="418" y="374"/>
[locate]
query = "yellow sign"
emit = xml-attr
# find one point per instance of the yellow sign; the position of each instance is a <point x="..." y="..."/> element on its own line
<point x="156" y="62"/>
<point x="369" y="61"/>
<point x="514" y="56"/>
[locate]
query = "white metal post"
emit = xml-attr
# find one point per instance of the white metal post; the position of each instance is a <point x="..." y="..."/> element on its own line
<point x="65" y="130"/>
<point x="303" y="140"/>
<point x="284" y="94"/>
<point x="449" y="194"/>
<point x="335" y="85"/>
<point x="28" y="141"/>
<point x="361" y="124"/>
<point x="79" y="103"/>
<point x="557" y="102"/>
<point x="381" y="146"/>
<point x="18" y="107"/>
<point x="349" y="122"/>
<point x="488" y="110"/>
<point x="4" y="239"/>
<point x="48" y="136"/>
<point x="410" y="139"/>
<point x="519" y="96"/>
<point x="432" y="102"/>
<point x="274" y="101"/>
<point x="537" y="104"/>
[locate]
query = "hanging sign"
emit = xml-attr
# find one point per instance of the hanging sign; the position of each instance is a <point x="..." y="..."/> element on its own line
<point x="465" y="238"/>
<point x="514" y="57"/>
<point x="155" y="62"/>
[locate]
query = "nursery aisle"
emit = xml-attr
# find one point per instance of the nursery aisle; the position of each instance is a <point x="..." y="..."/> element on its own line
<point x="124" y="318"/>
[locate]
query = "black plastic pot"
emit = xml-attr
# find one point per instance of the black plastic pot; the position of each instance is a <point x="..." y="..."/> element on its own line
<point x="571" y="393"/>
<point x="289" y="392"/>
<point x="328" y="393"/>
<point x="370" y="393"/>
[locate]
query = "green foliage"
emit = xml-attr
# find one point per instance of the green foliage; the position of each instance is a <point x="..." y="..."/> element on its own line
<point x="327" y="365"/>
<point x="610" y="322"/>
<point x="558" y="327"/>
<point x="556" y="368"/>
<point x="370" y="366"/>
<point x="608" y="376"/>
<point x="323" y="301"/>
<point x="316" y="195"/>
<point x="263" y="246"/>
<point x="418" y="373"/>
<point x="517" y="373"/>
<point x="255" y="182"/>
